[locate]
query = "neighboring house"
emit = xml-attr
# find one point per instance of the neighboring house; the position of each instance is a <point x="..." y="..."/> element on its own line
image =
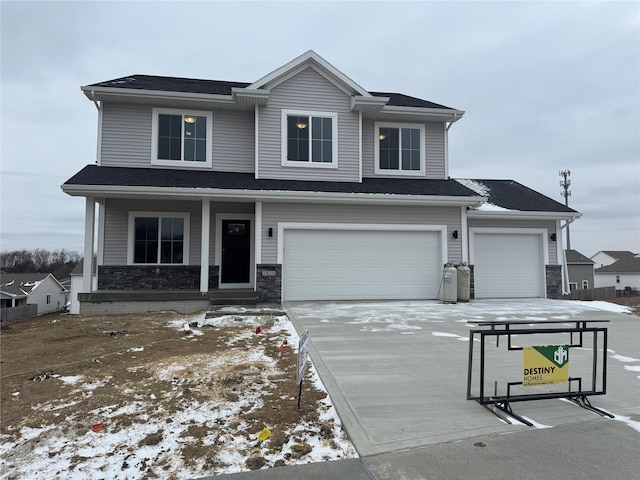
<point x="76" y="286"/>
<point x="607" y="257"/>
<point x="41" y="289"/>
<point x="580" y="270"/>
<point x="624" y="274"/>
<point x="302" y="185"/>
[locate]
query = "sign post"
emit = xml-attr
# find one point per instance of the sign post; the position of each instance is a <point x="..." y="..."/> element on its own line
<point x="302" y="361"/>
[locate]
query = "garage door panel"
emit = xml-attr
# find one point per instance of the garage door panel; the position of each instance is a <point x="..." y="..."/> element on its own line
<point x="360" y="264"/>
<point x="508" y="265"/>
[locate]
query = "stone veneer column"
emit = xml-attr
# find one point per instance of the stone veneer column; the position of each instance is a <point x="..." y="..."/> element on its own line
<point x="269" y="282"/>
<point x="554" y="281"/>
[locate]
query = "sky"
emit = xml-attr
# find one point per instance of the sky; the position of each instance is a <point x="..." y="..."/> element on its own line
<point x="546" y="86"/>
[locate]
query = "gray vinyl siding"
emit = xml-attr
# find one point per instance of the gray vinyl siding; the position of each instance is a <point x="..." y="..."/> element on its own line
<point x="233" y="141"/>
<point x="434" y="149"/>
<point x="578" y="273"/>
<point x="550" y="225"/>
<point x="127" y="137"/>
<point x="117" y="223"/>
<point x="274" y="213"/>
<point x="308" y="91"/>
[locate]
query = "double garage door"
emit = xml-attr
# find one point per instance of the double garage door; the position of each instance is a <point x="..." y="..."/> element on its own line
<point x="508" y="265"/>
<point x="325" y="264"/>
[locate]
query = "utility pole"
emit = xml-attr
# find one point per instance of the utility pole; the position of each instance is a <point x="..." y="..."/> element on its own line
<point x="566" y="193"/>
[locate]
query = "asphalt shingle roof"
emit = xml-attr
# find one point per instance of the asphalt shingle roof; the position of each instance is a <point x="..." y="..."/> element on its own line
<point x="512" y="195"/>
<point x="574" y="256"/>
<point x="156" y="177"/>
<point x="20" y="284"/>
<point x="222" y="87"/>
<point x="628" y="264"/>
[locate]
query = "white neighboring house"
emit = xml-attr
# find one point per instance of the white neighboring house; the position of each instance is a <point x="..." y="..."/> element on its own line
<point x="41" y="289"/>
<point x="607" y="257"/>
<point x="624" y="274"/>
<point x="76" y="287"/>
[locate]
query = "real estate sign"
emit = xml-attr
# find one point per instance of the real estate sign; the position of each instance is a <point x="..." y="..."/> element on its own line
<point x="545" y="365"/>
<point x="302" y="355"/>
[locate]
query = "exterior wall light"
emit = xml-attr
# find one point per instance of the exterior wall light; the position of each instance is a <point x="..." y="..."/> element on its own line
<point x="455" y="234"/>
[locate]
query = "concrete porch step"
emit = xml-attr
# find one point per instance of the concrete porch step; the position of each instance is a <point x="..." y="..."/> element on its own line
<point x="257" y="310"/>
<point x="233" y="297"/>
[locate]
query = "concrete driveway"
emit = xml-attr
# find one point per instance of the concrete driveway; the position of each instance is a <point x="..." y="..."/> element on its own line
<point x="396" y="372"/>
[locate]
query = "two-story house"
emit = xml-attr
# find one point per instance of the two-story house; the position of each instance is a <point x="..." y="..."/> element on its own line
<point x="301" y="185"/>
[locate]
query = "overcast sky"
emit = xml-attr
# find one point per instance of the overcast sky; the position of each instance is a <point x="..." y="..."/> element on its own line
<point x="546" y="86"/>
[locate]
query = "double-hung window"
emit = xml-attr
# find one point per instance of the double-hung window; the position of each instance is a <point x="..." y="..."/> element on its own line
<point x="399" y="149"/>
<point x="309" y="139"/>
<point x="158" y="238"/>
<point x="181" y="138"/>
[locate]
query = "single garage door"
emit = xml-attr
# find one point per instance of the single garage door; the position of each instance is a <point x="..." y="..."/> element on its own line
<point x="360" y="264"/>
<point x="508" y="266"/>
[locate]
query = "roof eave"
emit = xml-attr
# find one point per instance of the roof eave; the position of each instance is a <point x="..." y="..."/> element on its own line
<point x="270" y="195"/>
<point x="515" y="214"/>
<point x="94" y="93"/>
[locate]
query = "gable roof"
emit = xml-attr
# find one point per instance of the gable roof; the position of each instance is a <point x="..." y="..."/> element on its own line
<point x="22" y="284"/>
<point x="197" y="183"/>
<point x="228" y="94"/>
<point x="617" y="254"/>
<point x="575" y="257"/>
<point x="628" y="264"/>
<point x="506" y="196"/>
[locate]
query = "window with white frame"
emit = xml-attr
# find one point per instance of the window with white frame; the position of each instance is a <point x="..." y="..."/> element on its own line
<point x="48" y="299"/>
<point x="585" y="284"/>
<point x="309" y="139"/>
<point x="399" y="149"/>
<point x="181" y="137"/>
<point x="573" y="286"/>
<point x="158" y="238"/>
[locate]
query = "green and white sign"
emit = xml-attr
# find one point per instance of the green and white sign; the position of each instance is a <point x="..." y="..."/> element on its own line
<point x="543" y="365"/>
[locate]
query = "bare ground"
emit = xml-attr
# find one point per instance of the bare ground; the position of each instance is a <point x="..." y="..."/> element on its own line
<point x="633" y="302"/>
<point x="137" y="360"/>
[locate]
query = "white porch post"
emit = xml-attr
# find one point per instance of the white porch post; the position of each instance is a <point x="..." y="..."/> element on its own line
<point x="257" y="242"/>
<point x="89" y="231"/>
<point x="204" y="246"/>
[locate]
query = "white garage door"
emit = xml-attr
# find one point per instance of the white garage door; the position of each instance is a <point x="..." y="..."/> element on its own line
<point x="508" y="266"/>
<point x="360" y="264"/>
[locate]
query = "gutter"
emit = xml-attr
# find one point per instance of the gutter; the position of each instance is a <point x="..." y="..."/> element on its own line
<point x="569" y="217"/>
<point x="270" y="195"/>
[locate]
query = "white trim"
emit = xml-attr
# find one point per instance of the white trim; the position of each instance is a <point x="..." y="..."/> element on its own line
<point x="205" y="233"/>
<point x="464" y="229"/>
<point x="256" y="141"/>
<point x="282" y="226"/>
<point x="290" y="68"/>
<point x="258" y="232"/>
<point x="218" y="250"/>
<point x="89" y="232"/>
<point x="360" y="147"/>
<point x="181" y="163"/>
<point x="270" y="195"/>
<point x="151" y="214"/>
<point x="572" y="283"/>
<point x="446" y="151"/>
<point x="311" y="114"/>
<point x="101" y="226"/>
<point x="585" y="284"/>
<point x="376" y="149"/>
<point x="99" y="137"/>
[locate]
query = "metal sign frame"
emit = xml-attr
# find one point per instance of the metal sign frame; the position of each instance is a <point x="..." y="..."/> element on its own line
<point x="575" y="392"/>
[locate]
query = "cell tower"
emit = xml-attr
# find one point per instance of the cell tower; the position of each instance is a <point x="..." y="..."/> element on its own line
<point x="566" y="193"/>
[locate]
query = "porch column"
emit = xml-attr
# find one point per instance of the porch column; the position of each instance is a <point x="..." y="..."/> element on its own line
<point x="89" y="231"/>
<point x="204" y="246"/>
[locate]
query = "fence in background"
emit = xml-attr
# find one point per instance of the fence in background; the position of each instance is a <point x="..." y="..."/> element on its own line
<point x="602" y="293"/>
<point x="22" y="312"/>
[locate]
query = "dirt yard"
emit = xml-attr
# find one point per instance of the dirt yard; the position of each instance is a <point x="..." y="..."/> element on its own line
<point x="632" y="302"/>
<point x="141" y="396"/>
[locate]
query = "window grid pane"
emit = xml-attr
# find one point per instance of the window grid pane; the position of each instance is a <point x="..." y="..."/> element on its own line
<point x="195" y="138"/>
<point x="146" y="240"/>
<point x="169" y="136"/>
<point x="321" y="137"/>
<point x="298" y="139"/>
<point x="389" y="148"/>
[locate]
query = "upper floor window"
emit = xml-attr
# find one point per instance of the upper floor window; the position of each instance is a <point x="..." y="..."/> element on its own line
<point x="181" y="136"/>
<point x="309" y="139"/>
<point x="158" y="238"/>
<point x="399" y="149"/>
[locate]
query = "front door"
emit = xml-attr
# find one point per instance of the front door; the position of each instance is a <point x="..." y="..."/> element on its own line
<point x="235" y="265"/>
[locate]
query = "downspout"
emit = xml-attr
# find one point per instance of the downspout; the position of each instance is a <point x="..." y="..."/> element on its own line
<point x="456" y="117"/>
<point x="565" y="269"/>
<point x="99" y="135"/>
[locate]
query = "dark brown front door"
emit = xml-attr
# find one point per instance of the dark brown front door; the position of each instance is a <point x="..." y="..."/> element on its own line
<point x="236" y="251"/>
